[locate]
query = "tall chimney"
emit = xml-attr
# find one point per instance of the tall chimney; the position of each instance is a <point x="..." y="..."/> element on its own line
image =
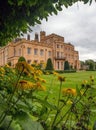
<point x="36" y="37"/>
<point x="42" y="35"/>
<point x="28" y="37"/>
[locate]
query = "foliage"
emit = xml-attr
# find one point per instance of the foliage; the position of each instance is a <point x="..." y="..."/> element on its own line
<point x="22" y="107"/>
<point x="66" y="65"/>
<point x="16" y="97"/>
<point x="90" y="64"/>
<point x="37" y="66"/>
<point x="46" y="72"/>
<point x="21" y="59"/>
<point x="49" y="65"/>
<point x="65" y="71"/>
<point x="16" y="17"/>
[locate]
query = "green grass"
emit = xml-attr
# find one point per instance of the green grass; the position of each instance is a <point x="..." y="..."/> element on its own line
<point x="71" y="81"/>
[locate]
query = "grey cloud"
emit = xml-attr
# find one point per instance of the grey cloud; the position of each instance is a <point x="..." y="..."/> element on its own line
<point x="77" y="25"/>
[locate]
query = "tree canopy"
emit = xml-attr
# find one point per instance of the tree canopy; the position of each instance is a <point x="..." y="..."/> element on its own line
<point x="16" y="16"/>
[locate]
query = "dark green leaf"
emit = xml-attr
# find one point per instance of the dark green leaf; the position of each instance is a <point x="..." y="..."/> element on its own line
<point x="27" y="123"/>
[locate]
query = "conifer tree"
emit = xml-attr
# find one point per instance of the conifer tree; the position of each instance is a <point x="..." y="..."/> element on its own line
<point x="21" y="59"/>
<point x="66" y="65"/>
<point x="49" y="65"/>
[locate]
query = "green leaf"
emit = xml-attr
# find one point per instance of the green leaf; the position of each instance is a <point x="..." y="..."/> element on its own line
<point x="14" y="126"/>
<point x="47" y="104"/>
<point x="10" y="2"/>
<point x="3" y="105"/>
<point x="86" y="1"/>
<point x="27" y="123"/>
<point x="78" y="91"/>
<point x="20" y="2"/>
<point x="22" y="106"/>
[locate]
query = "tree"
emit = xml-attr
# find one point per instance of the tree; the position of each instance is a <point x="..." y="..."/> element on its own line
<point x="91" y="64"/>
<point x="66" y="65"/>
<point x="21" y="59"/>
<point x="16" y="16"/>
<point x="49" y="65"/>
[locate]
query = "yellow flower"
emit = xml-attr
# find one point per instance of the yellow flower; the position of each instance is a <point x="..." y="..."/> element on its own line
<point x="21" y="66"/>
<point x="24" y="84"/>
<point x="81" y="92"/>
<point x="1" y="75"/>
<point x="40" y="79"/>
<point x="91" y="77"/>
<point x="38" y="72"/>
<point x="69" y="91"/>
<point x="7" y="66"/>
<point x="69" y="102"/>
<point x="26" y="72"/>
<point x="37" y="78"/>
<point x="2" y="70"/>
<point x="43" y="88"/>
<point x="24" y="66"/>
<point x="30" y="68"/>
<point x="61" y="78"/>
<point x="55" y="73"/>
<point x="39" y="86"/>
<point x="47" y="73"/>
<point x="85" y="81"/>
<point x="43" y="80"/>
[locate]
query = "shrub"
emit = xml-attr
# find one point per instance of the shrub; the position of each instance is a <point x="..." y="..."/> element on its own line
<point x="49" y="65"/>
<point x="47" y="72"/>
<point x="66" y="65"/>
<point x="21" y="59"/>
<point x="65" y="71"/>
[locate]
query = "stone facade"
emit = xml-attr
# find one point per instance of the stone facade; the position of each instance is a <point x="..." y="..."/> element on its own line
<point x="51" y="46"/>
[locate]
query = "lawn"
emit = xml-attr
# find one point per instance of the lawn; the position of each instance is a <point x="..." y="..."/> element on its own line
<point x="71" y="81"/>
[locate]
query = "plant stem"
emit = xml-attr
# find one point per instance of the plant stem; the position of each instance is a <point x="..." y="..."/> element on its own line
<point x="71" y="107"/>
<point x="9" y="124"/>
<point x="10" y="100"/>
<point x="58" y="110"/>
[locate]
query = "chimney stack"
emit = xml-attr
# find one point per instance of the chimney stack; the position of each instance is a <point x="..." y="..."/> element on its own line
<point x="36" y="37"/>
<point x="42" y="35"/>
<point x="28" y="37"/>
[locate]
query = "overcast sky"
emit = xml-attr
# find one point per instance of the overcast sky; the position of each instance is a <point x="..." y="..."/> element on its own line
<point x="77" y="24"/>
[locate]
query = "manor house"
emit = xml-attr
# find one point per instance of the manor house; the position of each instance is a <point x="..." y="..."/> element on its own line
<point x="39" y="50"/>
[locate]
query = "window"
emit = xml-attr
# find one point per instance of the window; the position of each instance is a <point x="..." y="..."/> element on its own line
<point x="58" y="65"/>
<point x="28" y="50"/>
<point x="19" y="52"/>
<point x="62" y="54"/>
<point x="41" y="52"/>
<point x="57" y="54"/>
<point x="14" y="52"/>
<point x="69" y="55"/>
<point x="57" y="46"/>
<point x="61" y="46"/>
<point x="35" y="51"/>
<point x="49" y="53"/>
<point x="42" y="64"/>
